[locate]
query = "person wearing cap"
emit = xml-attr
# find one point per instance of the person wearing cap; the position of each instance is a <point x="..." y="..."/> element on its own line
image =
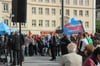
<point x="72" y="58"/>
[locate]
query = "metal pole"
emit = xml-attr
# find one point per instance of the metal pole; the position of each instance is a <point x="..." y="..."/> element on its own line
<point x="20" y="44"/>
<point x="62" y="6"/>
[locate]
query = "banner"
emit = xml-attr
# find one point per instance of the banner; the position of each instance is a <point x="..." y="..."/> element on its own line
<point x="75" y="26"/>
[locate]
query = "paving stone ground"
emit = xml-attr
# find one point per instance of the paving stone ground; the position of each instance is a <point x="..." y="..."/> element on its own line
<point x="38" y="61"/>
<point x="41" y="61"/>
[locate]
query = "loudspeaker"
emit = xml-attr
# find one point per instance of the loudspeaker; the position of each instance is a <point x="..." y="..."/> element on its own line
<point x="19" y="8"/>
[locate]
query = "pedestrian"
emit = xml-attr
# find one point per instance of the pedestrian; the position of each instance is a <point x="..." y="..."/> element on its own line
<point x="83" y="43"/>
<point x="72" y="58"/>
<point x="64" y="43"/>
<point x="17" y="59"/>
<point x="53" y="47"/>
<point x="26" y="45"/>
<point x="94" y="59"/>
<point x="10" y="46"/>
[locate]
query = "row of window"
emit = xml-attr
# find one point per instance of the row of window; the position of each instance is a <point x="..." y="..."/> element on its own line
<point x="53" y="11"/>
<point x="47" y="23"/>
<point x="75" y="12"/>
<point x="5" y="6"/>
<point x="47" y="11"/>
<point x="34" y="23"/>
<point x="14" y="23"/>
<point x="75" y="2"/>
<point x="47" y="1"/>
<point x="40" y="24"/>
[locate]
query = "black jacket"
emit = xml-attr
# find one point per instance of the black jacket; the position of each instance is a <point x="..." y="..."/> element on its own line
<point x="10" y="41"/>
<point x="16" y="42"/>
<point x="64" y="43"/>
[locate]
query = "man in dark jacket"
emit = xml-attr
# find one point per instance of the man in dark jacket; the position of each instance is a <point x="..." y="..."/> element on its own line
<point x="10" y="46"/>
<point x="16" y="49"/>
<point x="64" y="43"/>
<point x="53" y="47"/>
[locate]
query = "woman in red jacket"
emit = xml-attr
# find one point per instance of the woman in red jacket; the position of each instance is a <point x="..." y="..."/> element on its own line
<point x="93" y="60"/>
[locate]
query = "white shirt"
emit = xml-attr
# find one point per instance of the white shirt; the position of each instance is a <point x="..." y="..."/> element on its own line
<point x="84" y="43"/>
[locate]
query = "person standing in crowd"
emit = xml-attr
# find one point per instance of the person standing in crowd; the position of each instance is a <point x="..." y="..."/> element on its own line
<point x="89" y="49"/>
<point x="89" y="39"/>
<point x="3" y="50"/>
<point x="52" y="43"/>
<point x="26" y="45"/>
<point x="72" y="58"/>
<point x="58" y="46"/>
<point x="31" y="46"/>
<point x="96" y="42"/>
<point x="83" y="43"/>
<point x="22" y="44"/>
<point x="16" y="50"/>
<point x="64" y="43"/>
<point x="40" y="46"/>
<point x="94" y="59"/>
<point x="11" y="46"/>
<point x="34" y="46"/>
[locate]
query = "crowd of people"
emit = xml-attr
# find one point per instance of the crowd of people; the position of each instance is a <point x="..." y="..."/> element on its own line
<point x="83" y="47"/>
<point x="83" y="50"/>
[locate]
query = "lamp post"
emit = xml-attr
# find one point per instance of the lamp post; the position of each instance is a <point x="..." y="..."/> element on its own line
<point x="62" y="7"/>
<point x="11" y="15"/>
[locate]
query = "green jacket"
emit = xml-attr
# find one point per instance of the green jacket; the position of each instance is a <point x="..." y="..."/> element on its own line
<point x="89" y="40"/>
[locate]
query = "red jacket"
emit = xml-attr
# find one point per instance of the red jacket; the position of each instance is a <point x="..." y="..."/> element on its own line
<point x="89" y="62"/>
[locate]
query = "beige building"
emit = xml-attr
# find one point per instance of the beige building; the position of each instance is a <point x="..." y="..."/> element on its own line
<point x="45" y="15"/>
<point x="0" y="12"/>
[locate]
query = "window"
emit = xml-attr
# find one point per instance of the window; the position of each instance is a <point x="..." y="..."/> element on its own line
<point x="86" y="24"/>
<point x="86" y="13"/>
<point x="34" y="23"/>
<point x="47" y="23"/>
<point x="47" y="1"/>
<point x="5" y="7"/>
<point x="14" y="24"/>
<point x="34" y="0"/>
<point x="40" y="0"/>
<point x="86" y="2"/>
<point x="6" y="21"/>
<point x="47" y="11"/>
<point x="40" y="23"/>
<point x="67" y="12"/>
<point x="53" y="1"/>
<point x="81" y="2"/>
<point x="53" y="11"/>
<point x="80" y="13"/>
<point x="53" y="23"/>
<point x="60" y="12"/>
<point x="33" y="10"/>
<point x="75" y="12"/>
<point x="67" y="1"/>
<point x="23" y="24"/>
<point x="75" y="2"/>
<point x="40" y="11"/>
<point x="60" y="1"/>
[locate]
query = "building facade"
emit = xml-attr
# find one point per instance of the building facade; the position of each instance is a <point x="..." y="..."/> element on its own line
<point x="44" y="16"/>
<point x="0" y="12"/>
<point x="98" y="9"/>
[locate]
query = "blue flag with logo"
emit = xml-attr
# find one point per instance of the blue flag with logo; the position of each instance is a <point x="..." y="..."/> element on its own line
<point x="75" y="26"/>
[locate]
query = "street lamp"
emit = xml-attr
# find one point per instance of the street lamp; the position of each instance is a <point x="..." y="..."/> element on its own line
<point x="62" y="7"/>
